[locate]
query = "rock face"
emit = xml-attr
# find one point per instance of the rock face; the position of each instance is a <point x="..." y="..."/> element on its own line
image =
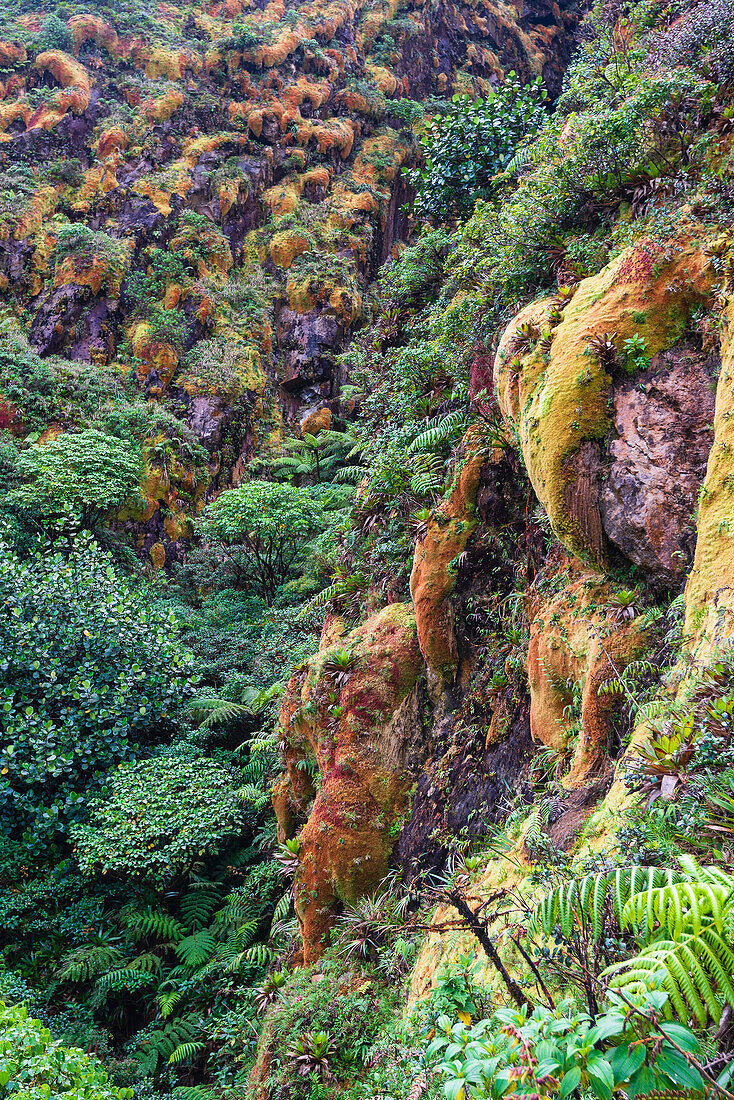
<point x="709" y="596"/>
<point x="558" y="392"/>
<point x="435" y="565"/>
<point x="664" y="430"/>
<point x="353" y="714"/>
<point x="577" y="641"/>
<point x="209" y="203"/>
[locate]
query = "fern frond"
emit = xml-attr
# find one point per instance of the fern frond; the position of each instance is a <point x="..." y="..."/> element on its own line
<point x="196" y="949"/>
<point x="259" y="955"/>
<point x="154" y="923"/>
<point x="168" y="1001"/>
<point x="86" y="962"/>
<point x="679" y="907"/>
<point x="283" y="908"/>
<point x="350" y="474"/>
<point x="257" y="797"/>
<point x="439" y="431"/>
<point x="428" y="474"/>
<point x="579" y="901"/>
<point x="694" y="971"/>
<point x="198" y="904"/>
<point x="212" y="711"/>
<point x="186" y="1052"/>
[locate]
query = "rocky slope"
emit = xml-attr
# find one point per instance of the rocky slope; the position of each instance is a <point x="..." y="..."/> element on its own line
<point x="201" y="194"/>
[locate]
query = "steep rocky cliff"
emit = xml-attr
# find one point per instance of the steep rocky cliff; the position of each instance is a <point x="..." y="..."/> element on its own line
<point x="201" y="195"/>
<point x="443" y="506"/>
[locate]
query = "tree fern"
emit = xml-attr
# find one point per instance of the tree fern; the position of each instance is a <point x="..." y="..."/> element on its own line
<point x="694" y="970"/>
<point x="186" y="1052"/>
<point x="440" y="430"/>
<point x="196" y="949"/>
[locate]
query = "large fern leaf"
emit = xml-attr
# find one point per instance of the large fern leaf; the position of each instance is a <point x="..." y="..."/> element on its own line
<point x="580" y="902"/>
<point x="186" y="1052"/>
<point x="678" y="907"/>
<point x="196" y="949"/>
<point x="198" y="904"/>
<point x="439" y="431"/>
<point x="694" y="970"/>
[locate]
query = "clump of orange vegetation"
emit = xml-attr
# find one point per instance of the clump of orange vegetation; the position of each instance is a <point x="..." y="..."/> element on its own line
<point x="362" y="760"/>
<point x="75" y="90"/>
<point x="161" y="108"/>
<point x="211" y="241"/>
<point x="285" y="246"/>
<point x="11" y="54"/>
<point x="90" y="28"/>
<point x="111" y="140"/>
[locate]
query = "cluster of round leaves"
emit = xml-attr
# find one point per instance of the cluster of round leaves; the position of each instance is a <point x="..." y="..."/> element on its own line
<point x="475" y="139"/>
<point x="90" y="673"/>
<point x="33" y="1066"/>
<point x="161" y="816"/>
<point x="88" y="471"/>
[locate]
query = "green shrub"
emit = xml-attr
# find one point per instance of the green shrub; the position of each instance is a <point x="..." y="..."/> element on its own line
<point x="87" y="472"/>
<point x="475" y="139"/>
<point x="90" y="674"/>
<point x="160" y="817"/>
<point x="33" y="1066"/>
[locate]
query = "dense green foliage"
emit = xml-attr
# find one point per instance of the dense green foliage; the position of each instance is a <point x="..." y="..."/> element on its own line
<point x="33" y="1066"/>
<point x="146" y="908"/>
<point x="471" y="143"/>
<point x="91" y="675"/>
<point x="87" y="472"/>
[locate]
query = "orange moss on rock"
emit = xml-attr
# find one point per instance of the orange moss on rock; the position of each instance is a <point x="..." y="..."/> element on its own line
<point x="161" y="108"/>
<point x="433" y="577"/>
<point x="558" y="400"/>
<point x="361" y="752"/>
<point x="73" y="78"/>
<point x="154" y="355"/>
<point x="285" y="246"/>
<point x="110" y="141"/>
<point x="317" y="421"/>
<point x="576" y="643"/>
<point x="93" y="271"/>
<point x="90" y="28"/>
<point x="11" y="54"/>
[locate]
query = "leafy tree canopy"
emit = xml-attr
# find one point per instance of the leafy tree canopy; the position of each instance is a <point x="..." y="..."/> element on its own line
<point x="475" y="139"/>
<point x="161" y="816"/>
<point x="87" y="471"/>
<point x="271" y="522"/>
<point x="34" y="1066"/>
<point x="90" y="673"/>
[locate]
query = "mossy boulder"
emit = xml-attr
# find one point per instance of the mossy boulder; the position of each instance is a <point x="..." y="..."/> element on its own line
<point x="358" y="726"/>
